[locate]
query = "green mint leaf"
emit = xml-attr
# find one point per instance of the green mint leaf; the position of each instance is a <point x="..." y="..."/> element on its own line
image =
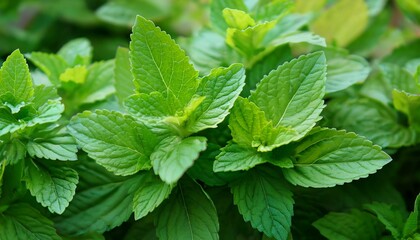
<point x="235" y="158"/>
<point x="343" y="22"/>
<point x="367" y="117"/>
<point x="14" y="151"/>
<point x="52" y="186"/>
<point x="216" y="12"/>
<point x="15" y="78"/>
<point x="98" y="85"/>
<point x="173" y="156"/>
<point x="52" y="65"/>
<point x="114" y="140"/>
<point x="75" y="74"/>
<point x="53" y="145"/>
<point x="21" y="221"/>
<point x="49" y="112"/>
<point x="390" y="77"/>
<point x="264" y="200"/>
<point x="327" y="157"/>
<point x="42" y="94"/>
<point x="237" y="19"/>
<point x="100" y="195"/>
<point x="298" y="37"/>
<point x="352" y="225"/>
<point x="344" y="70"/>
<point x="124" y="85"/>
<point x="248" y="42"/>
<point x="220" y="89"/>
<point x="189" y="213"/>
<point x="8" y="123"/>
<point x="388" y="215"/>
<point x="250" y="128"/>
<point x="409" y="104"/>
<point x="151" y="106"/>
<point x="411" y="226"/>
<point x="159" y="65"/>
<point x="149" y="195"/>
<point x="291" y="96"/>
<point x="76" y="52"/>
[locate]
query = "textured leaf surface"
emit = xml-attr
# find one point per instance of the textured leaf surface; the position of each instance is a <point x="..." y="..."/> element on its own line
<point x="174" y="156"/>
<point x="21" y="221"/>
<point x="291" y="96"/>
<point x="235" y="158"/>
<point x="327" y="157"/>
<point x="343" y="22"/>
<point x="352" y="225"/>
<point x="150" y="195"/>
<point x="220" y="89"/>
<point x="388" y="215"/>
<point x="151" y="106"/>
<point x="344" y="71"/>
<point x="15" y="78"/>
<point x="158" y="64"/>
<point x="53" y="186"/>
<point x="263" y="199"/>
<point x="371" y="119"/>
<point x="103" y="201"/>
<point x="412" y="225"/>
<point x="99" y="83"/>
<point x="52" y="65"/>
<point x="188" y="214"/>
<point x="124" y="85"/>
<point x="58" y="145"/>
<point x="250" y="128"/>
<point x="114" y="140"/>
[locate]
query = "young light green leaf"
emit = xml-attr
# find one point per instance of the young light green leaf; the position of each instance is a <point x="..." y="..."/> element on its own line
<point x="409" y="104"/>
<point x="158" y="64"/>
<point x="343" y="22"/>
<point x="75" y="74"/>
<point x="15" y="78"/>
<point x="327" y="157"/>
<point x="250" y="128"/>
<point x="237" y="19"/>
<point x="173" y="156"/>
<point x="291" y="96"/>
<point x="264" y="200"/>
<point x="344" y="70"/>
<point x="188" y="214"/>
<point x="220" y="89"/>
<point x="53" y="186"/>
<point x="76" y="52"/>
<point x="98" y="85"/>
<point x="367" y="116"/>
<point x="55" y="145"/>
<point x="51" y="64"/>
<point x="216" y="12"/>
<point x="21" y="221"/>
<point x="149" y="195"/>
<point x="352" y="225"/>
<point x="114" y="140"/>
<point x="388" y="215"/>
<point x="124" y="85"/>
<point x="235" y="158"/>
<point x="248" y="42"/>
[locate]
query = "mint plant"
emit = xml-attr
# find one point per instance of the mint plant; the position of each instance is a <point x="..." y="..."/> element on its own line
<point x="280" y="120"/>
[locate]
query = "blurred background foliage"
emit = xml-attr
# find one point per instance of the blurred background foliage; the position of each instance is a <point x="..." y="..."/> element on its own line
<point x="46" y="25"/>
